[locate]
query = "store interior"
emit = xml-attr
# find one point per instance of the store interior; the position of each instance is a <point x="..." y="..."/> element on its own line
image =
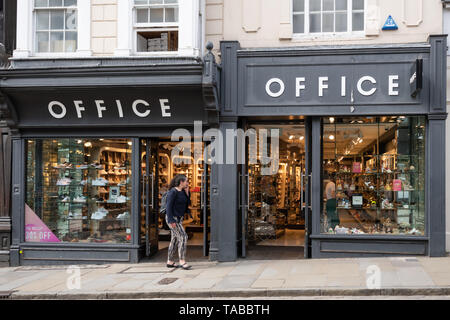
<point x="78" y="190"/>
<point x="373" y="175"/>
<point x="168" y="166"/>
<point x="275" y="218"/>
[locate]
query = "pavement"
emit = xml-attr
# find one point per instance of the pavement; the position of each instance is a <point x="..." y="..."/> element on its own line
<point x="357" y="277"/>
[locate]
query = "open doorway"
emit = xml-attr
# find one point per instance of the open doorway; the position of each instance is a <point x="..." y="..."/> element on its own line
<point x="275" y="216"/>
<point x="157" y="171"/>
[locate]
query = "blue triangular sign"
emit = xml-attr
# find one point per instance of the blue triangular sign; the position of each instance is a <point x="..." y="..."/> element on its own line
<point x="390" y="24"/>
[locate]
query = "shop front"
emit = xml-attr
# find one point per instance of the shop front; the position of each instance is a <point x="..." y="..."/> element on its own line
<point x="354" y="151"/>
<point x="92" y="155"/>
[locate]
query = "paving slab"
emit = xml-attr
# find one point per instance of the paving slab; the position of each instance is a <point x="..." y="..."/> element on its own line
<point x="235" y="282"/>
<point x="268" y="283"/>
<point x="440" y="278"/>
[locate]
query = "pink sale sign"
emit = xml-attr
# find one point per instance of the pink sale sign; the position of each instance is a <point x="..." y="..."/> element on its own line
<point x="35" y="229"/>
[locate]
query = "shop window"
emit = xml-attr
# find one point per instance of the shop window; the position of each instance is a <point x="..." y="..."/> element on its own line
<point x="156" y="25"/>
<point x="78" y="190"/>
<point x="374" y="175"/>
<point x="55" y="25"/>
<point x="327" y="16"/>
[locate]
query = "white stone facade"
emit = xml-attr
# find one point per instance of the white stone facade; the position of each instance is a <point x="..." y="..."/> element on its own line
<point x="105" y="28"/>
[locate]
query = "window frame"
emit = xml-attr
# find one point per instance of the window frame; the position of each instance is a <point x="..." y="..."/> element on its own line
<point x="335" y="34"/>
<point x="153" y="27"/>
<point x="33" y="46"/>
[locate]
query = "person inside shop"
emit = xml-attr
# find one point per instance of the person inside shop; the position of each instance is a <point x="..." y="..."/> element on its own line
<point x="177" y="204"/>
<point x="332" y="214"/>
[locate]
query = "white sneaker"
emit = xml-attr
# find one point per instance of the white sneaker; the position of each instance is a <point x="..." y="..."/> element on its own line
<point x="64" y="182"/>
<point x="80" y="199"/>
<point x="100" y="182"/>
<point x="122" y="199"/>
<point x="123" y="216"/>
<point x="102" y="212"/>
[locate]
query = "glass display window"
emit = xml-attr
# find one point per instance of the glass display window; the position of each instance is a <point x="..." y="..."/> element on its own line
<point x="78" y="190"/>
<point x="374" y="175"/>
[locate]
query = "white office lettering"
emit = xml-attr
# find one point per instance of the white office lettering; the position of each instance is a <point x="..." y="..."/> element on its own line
<point x="100" y="107"/>
<point x="119" y="108"/>
<point x="165" y="107"/>
<point x="393" y="85"/>
<point x="79" y="108"/>
<point x="361" y="90"/>
<point x="137" y="112"/>
<point x="53" y="113"/>
<point x="299" y="86"/>
<point x="279" y="92"/>
<point x="322" y="85"/>
<point x="343" y="86"/>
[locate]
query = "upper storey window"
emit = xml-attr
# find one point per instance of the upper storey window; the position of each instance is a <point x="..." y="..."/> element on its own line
<point x="156" y="25"/>
<point x="55" y="25"/>
<point x="327" y="16"/>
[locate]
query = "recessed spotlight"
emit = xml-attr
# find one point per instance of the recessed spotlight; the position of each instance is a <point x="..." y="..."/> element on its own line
<point x="331" y="120"/>
<point x="331" y="137"/>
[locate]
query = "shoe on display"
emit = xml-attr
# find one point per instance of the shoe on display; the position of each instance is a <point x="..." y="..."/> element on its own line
<point x="83" y="182"/>
<point x="80" y="199"/>
<point x="102" y="172"/>
<point x="121" y="199"/>
<point x="102" y="211"/>
<point x="64" y="182"/>
<point x="100" y="182"/>
<point x="65" y="199"/>
<point x="81" y="166"/>
<point x="71" y="215"/>
<point x="68" y="165"/>
<point x="95" y="216"/>
<point x="102" y="190"/>
<point x="97" y="165"/>
<point x="123" y="216"/>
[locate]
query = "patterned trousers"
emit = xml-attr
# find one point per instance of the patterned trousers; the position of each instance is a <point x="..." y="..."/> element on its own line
<point x="178" y="240"/>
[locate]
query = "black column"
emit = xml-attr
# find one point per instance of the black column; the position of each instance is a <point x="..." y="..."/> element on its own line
<point x="5" y="195"/>
<point x="435" y="182"/>
<point x="18" y="199"/>
<point x="224" y="202"/>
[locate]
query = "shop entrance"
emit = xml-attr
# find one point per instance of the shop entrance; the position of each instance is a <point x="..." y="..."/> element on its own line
<point x="158" y="167"/>
<point x="275" y="211"/>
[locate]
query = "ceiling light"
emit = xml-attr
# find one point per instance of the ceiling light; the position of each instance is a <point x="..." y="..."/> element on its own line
<point x="302" y="137"/>
<point x="88" y="144"/>
<point x="331" y="137"/>
<point x="130" y="143"/>
<point x="331" y="120"/>
<point x="291" y="137"/>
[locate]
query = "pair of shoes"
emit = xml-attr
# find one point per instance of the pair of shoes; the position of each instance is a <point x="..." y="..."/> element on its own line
<point x="173" y="265"/>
